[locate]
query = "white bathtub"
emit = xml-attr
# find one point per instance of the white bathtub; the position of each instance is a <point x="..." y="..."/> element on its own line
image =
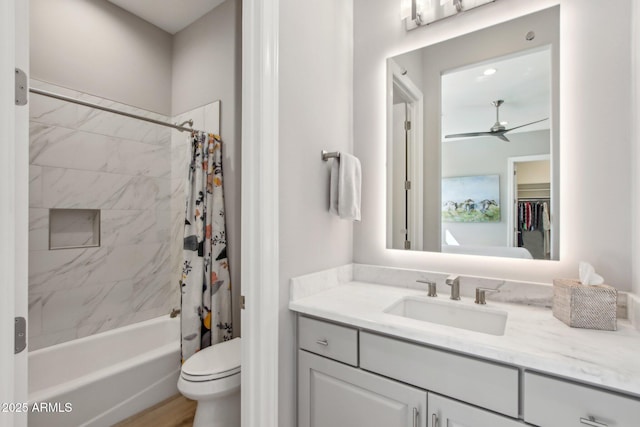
<point x="106" y="377"/>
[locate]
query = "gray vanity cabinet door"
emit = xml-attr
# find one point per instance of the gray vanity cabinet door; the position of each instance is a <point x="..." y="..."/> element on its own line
<point x="444" y="412"/>
<point x="331" y="394"/>
<point x="550" y="402"/>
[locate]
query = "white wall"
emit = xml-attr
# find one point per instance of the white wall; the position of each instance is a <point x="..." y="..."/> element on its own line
<point x="534" y="172"/>
<point x="95" y="47"/>
<point x="207" y="60"/>
<point x="207" y="67"/>
<point x="315" y="63"/>
<point x="595" y="170"/>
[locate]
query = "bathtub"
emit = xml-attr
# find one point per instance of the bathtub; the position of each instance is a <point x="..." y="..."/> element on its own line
<point x="105" y="377"/>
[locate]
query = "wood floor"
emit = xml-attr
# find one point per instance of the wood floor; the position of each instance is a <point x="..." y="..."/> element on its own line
<point x="177" y="411"/>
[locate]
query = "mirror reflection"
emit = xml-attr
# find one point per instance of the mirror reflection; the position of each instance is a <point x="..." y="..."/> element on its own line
<point x="473" y="143"/>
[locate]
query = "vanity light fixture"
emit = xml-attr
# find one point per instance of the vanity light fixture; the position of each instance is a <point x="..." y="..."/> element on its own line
<point x="416" y="13"/>
<point x="405" y="9"/>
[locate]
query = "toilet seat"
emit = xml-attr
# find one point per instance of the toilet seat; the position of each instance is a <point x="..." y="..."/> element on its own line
<point x="212" y="363"/>
<point x="211" y="377"/>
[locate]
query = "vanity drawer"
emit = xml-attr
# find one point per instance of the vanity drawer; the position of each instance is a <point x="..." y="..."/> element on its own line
<point x="489" y="385"/>
<point x="327" y="339"/>
<point x="554" y="402"/>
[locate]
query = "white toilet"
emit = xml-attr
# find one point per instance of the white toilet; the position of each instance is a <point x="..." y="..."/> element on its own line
<point x="212" y="377"/>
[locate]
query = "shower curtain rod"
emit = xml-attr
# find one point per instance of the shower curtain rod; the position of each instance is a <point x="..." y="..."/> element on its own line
<point x="111" y="110"/>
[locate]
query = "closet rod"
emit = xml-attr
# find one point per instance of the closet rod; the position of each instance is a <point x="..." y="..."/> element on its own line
<point x="111" y="110"/>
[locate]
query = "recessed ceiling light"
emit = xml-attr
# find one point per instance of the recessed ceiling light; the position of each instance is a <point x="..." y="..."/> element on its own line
<point x="489" y="71"/>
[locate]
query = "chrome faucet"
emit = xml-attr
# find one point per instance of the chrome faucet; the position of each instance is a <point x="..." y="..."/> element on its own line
<point x="454" y="282"/>
<point x="432" y="287"/>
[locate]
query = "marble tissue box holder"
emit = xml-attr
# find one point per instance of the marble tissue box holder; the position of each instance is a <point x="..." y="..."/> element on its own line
<point x="580" y="306"/>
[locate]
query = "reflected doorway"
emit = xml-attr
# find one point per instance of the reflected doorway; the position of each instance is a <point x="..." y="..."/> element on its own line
<point x="530" y="207"/>
<point x="405" y="184"/>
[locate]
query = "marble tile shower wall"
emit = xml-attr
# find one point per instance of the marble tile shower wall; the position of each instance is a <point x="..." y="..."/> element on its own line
<point x="89" y="159"/>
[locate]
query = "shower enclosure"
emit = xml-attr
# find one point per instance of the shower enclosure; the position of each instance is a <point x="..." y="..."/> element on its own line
<point x="106" y="218"/>
<point x="106" y="202"/>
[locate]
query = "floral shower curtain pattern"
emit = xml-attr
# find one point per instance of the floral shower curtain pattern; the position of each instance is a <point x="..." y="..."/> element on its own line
<point x="205" y="284"/>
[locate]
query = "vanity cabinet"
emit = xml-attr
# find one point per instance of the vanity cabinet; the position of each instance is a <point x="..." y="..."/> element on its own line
<point x="332" y="394"/>
<point x="357" y="378"/>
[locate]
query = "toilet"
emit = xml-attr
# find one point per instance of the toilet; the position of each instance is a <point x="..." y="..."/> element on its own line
<point x="212" y="378"/>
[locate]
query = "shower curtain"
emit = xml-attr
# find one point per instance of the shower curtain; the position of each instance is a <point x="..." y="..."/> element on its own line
<point x="205" y="284"/>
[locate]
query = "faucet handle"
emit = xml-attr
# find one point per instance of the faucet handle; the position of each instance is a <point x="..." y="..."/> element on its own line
<point x="432" y="287"/>
<point x="454" y="282"/>
<point x="480" y="294"/>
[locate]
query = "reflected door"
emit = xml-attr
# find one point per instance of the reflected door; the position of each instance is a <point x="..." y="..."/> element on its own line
<point x="401" y="183"/>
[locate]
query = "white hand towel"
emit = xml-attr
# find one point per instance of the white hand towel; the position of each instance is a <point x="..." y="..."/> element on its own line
<point x="333" y="187"/>
<point x="345" y="190"/>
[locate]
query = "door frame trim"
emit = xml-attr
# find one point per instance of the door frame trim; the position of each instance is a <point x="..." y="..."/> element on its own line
<point x="7" y="207"/>
<point x="260" y="216"/>
<point x="396" y="77"/>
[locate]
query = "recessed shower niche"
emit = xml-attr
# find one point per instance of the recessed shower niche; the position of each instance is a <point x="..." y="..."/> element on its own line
<point x="74" y="228"/>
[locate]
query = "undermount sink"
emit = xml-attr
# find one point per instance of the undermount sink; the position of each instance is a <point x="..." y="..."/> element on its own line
<point x="450" y="313"/>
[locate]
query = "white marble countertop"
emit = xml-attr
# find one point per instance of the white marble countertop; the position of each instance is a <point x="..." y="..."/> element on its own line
<point x="533" y="338"/>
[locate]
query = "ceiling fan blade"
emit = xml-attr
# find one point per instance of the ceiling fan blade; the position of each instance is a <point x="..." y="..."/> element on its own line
<point x="498" y="131"/>
<point x="470" y="134"/>
<point x="521" y="126"/>
<point x="499" y="134"/>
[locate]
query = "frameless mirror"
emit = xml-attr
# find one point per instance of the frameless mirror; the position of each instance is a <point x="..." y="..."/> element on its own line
<point x="472" y="150"/>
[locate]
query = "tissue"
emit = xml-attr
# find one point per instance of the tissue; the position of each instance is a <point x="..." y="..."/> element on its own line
<point x="588" y="275"/>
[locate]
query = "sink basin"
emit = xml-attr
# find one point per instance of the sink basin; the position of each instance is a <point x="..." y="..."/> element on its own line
<point x="454" y="314"/>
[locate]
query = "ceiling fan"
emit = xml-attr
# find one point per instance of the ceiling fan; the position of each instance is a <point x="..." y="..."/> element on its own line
<point x="497" y="130"/>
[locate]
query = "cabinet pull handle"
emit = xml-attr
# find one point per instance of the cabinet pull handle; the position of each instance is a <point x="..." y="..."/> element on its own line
<point x="415" y="417"/>
<point x="591" y="421"/>
<point x="323" y="342"/>
<point x="434" y="420"/>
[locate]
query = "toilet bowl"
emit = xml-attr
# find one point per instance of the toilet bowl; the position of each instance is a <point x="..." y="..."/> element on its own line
<point x="212" y="378"/>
